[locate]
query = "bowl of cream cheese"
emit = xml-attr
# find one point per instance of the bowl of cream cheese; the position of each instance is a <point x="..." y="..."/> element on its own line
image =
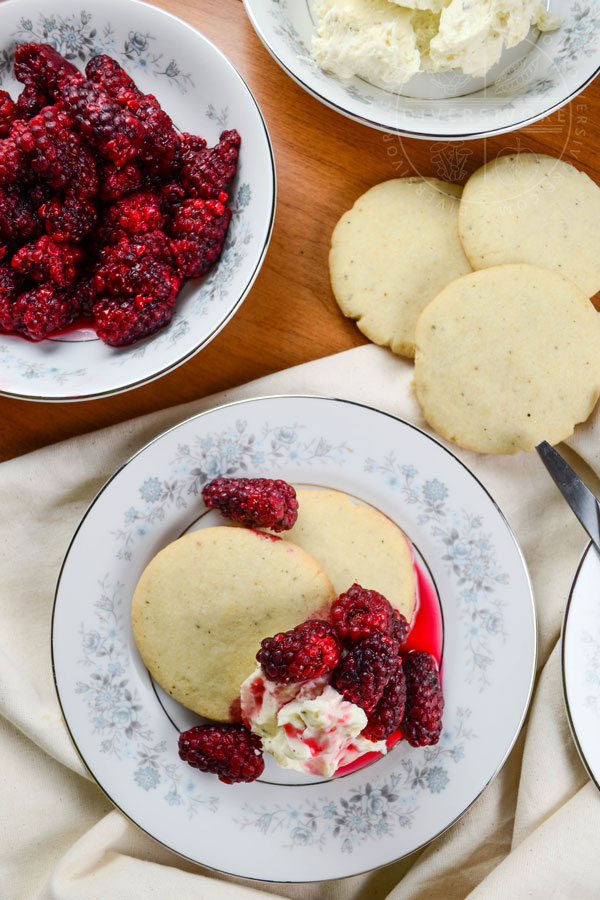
<point x="442" y="69"/>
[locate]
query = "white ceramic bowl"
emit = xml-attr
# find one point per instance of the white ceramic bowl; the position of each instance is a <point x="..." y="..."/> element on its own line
<point x="203" y="94"/>
<point x="531" y="80"/>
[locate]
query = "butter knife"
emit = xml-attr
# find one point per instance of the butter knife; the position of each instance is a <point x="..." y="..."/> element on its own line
<point x="581" y="500"/>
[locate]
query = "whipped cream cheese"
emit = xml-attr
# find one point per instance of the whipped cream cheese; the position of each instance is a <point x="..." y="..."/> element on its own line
<point x="387" y="41"/>
<point x="472" y="33"/>
<point x="308" y="727"/>
<point x="370" y="38"/>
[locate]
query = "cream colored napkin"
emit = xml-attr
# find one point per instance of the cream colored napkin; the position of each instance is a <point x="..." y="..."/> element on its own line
<point x="533" y="832"/>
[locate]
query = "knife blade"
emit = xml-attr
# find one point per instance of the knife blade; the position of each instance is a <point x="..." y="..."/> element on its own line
<point x="582" y="501"/>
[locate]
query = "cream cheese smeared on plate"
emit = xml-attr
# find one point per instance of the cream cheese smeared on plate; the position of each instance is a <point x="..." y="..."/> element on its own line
<point x="386" y="42"/>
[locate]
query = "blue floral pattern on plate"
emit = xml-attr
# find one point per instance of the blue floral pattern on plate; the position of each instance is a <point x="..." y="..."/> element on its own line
<point x="235" y="451"/>
<point x="38" y="369"/>
<point x="591" y="651"/>
<point x="116" y="711"/>
<point x="468" y="553"/>
<point x="371" y="812"/>
<point x="127" y="737"/>
<point x="79" y="37"/>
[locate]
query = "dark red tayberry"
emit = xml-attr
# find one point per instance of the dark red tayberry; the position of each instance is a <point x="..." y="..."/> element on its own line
<point x="42" y="311"/>
<point x="69" y="218"/>
<point x="10" y="286"/>
<point x="422" y="721"/>
<point x="31" y="101"/>
<point x="137" y="213"/>
<point x="12" y="162"/>
<point x="366" y="669"/>
<point x="53" y="150"/>
<point x="195" y="218"/>
<point x="116" y="181"/>
<point x="400" y="628"/>
<point x="307" y="651"/>
<point x="208" y="172"/>
<point x="121" y="320"/>
<point x="162" y="143"/>
<point x="161" y="152"/>
<point x="83" y="296"/>
<point x="230" y="751"/>
<point x="156" y="244"/>
<point x="8" y="113"/>
<point x="189" y="258"/>
<point x="19" y="220"/>
<point x="255" y="502"/>
<point x="385" y="718"/>
<point x="129" y="268"/>
<point x="358" y="612"/>
<point x="199" y="228"/>
<point x="46" y="259"/>
<point x="173" y="193"/>
<point x="43" y="66"/>
<point x="192" y="141"/>
<point x="107" y="72"/>
<point x="115" y="133"/>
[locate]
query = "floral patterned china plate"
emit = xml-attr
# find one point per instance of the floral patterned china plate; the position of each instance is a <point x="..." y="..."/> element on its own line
<point x="531" y="80"/>
<point x="581" y="661"/>
<point x="289" y="827"/>
<point x="203" y="94"/>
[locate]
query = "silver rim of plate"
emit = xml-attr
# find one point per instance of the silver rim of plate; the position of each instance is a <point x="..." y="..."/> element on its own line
<point x="580" y="647"/>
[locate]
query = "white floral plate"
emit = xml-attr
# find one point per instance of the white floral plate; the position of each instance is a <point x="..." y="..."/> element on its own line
<point x="203" y="94"/>
<point x="531" y="80"/>
<point x="284" y="828"/>
<point x="581" y="661"/>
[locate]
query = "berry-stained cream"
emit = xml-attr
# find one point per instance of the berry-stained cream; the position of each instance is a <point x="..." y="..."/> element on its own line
<point x="306" y="726"/>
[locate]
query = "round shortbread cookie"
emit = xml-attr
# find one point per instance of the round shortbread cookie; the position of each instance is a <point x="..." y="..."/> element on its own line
<point x="533" y="209"/>
<point x="392" y="253"/>
<point x="507" y="357"/>
<point x="205" y="602"/>
<point x="355" y="543"/>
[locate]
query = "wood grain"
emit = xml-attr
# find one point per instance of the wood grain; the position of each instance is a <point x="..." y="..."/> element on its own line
<point x="324" y="161"/>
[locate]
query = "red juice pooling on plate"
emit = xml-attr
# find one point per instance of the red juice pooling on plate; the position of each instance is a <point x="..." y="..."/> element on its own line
<point x="426" y="633"/>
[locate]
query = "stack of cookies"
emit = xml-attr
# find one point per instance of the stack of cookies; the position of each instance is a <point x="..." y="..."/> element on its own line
<point x="488" y="288"/>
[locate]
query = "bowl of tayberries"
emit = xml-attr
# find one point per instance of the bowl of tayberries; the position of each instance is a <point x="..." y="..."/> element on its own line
<point x="137" y="194"/>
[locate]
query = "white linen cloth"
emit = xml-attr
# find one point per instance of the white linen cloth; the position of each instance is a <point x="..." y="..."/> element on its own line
<point x="533" y="832"/>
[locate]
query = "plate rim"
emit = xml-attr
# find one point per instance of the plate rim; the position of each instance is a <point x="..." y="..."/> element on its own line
<point x="98" y="395"/>
<point x="404" y="132"/>
<point x="509" y="531"/>
<point x="563" y="650"/>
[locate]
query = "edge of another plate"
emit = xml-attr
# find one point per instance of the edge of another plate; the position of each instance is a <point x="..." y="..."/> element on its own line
<point x="569" y="705"/>
<point x="389" y="127"/>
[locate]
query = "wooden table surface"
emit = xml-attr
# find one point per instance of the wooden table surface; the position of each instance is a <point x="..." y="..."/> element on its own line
<point x="324" y="161"/>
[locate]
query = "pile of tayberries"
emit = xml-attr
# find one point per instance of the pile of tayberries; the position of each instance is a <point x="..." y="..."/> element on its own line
<point x="361" y="648"/>
<point x="106" y="209"/>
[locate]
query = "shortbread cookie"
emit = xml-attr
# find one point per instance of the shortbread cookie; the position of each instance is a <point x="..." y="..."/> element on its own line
<point x="205" y="602"/>
<point x="508" y="357"/>
<point x="392" y="253"/>
<point x="533" y="209"/>
<point x="355" y="543"/>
